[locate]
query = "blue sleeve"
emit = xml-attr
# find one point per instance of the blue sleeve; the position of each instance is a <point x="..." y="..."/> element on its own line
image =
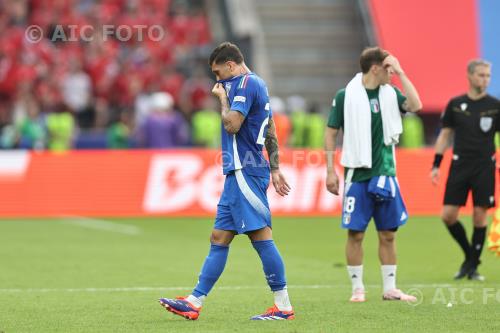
<point x="246" y="95"/>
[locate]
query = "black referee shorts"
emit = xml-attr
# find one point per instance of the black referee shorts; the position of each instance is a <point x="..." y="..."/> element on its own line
<point x="477" y="175"/>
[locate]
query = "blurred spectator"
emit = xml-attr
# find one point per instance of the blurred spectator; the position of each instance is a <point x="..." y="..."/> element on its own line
<point x="103" y="114"/>
<point x="281" y="120"/>
<point x="60" y="129"/>
<point x="76" y="89"/>
<point x="298" y="114"/>
<point x="17" y="11"/>
<point x="30" y="130"/>
<point x="206" y="125"/>
<point x="142" y="106"/>
<point x="195" y="90"/>
<point x="315" y="129"/>
<point x="172" y="82"/>
<point x="98" y="78"/>
<point x="118" y="134"/>
<point x="413" y="131"/>
<point x="8" y="137"/>
<point x="164" y="127"/>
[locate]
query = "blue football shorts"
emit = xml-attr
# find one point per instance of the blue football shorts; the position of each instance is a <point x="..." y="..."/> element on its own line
<point x="360" y="206"/>
<point x="243" y="206"/>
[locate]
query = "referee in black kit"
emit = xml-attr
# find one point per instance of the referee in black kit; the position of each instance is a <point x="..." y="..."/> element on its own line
<point x="472" y="120"/>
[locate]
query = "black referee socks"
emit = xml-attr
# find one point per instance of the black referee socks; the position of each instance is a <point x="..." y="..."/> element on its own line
<point x="457" y="231"/>
<point x="478" y="238"/>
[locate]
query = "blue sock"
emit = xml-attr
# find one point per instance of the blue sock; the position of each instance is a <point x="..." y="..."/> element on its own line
<point x="212" y="269"/>
<point x="272" y="263"/>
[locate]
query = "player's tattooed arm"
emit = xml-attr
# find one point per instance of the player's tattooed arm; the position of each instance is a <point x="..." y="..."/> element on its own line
<point x="231" y="120"/>
<point x="272" y="147"/>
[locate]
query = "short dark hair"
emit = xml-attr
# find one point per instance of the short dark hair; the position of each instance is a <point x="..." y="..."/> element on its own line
<point x="372" y="56"/>
<point x="226" y="52"/>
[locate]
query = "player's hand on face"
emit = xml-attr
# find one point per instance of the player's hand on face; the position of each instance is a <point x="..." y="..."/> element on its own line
<point x="434" y="176"/>
<point x="279" y="182"/>
<point x="218" y="90"/>
<point x="332" y="183"/>
<point x="392" y="62"/>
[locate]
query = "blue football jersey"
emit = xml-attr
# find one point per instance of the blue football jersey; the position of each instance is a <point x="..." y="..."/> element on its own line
<point x="248" y="95"/>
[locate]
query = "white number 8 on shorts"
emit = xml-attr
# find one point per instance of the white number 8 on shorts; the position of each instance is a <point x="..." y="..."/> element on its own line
<point x="349" y="204"/>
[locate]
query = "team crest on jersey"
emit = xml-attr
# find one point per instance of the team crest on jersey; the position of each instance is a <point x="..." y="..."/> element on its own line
<point x="463" y="106"/>
<point x="485" y="123"/>
<point x="374" y="105"/>
<point x="227" y="86"/>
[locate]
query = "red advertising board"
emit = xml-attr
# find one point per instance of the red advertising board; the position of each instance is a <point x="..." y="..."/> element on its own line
<point x="178" y="183"/>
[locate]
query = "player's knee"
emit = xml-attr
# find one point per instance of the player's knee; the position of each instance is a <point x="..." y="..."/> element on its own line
<point x="355" y="236"/>
<point x="219" y="238"/>
<point x="480" y="223"/>
<point x="216" y="238"/>
<point x="448" y="219"/>
<point x="480" y="217"/>
<point x="387" y="237"/>
<point x="449" y="215"/>
<point x="213" y="238"/>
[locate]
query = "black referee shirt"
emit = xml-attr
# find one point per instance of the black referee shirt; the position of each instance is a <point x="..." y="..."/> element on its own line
<point x="475" y="123"/>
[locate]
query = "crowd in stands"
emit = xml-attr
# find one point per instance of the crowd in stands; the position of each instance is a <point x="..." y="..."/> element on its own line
<point x="61" y="94"/>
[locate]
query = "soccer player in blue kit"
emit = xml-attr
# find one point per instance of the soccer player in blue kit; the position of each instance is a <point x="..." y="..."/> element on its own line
<point x="243" y="207"/>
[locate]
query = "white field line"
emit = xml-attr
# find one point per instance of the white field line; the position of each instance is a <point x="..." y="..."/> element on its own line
<point x="291" y="287"/>
<point x="101" y="225"/>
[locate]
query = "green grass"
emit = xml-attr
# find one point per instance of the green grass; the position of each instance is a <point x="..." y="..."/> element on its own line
<point x="48" y="266"/>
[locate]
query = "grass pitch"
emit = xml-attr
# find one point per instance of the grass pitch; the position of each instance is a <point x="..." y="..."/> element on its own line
<point x="78" y="275"/>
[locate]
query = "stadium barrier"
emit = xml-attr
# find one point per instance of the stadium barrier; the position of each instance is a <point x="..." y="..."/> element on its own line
<point x="179" y="183"/>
